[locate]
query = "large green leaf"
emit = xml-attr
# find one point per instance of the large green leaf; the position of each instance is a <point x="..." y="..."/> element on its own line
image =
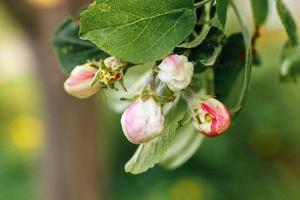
<point x="184" y="146"/>
<point x="260" y="10"/>
<point x="222" y="6"/>
<point x="149" y="154"/>
<point x="71" y="50"/>
<point x="288" y="22"/>
<point x="138" y="31"/>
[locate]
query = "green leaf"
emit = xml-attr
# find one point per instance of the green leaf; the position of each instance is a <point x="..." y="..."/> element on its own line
<point x="71" y="50"/>
<point x="135" y="80"/>
<point x="149" y="154"/>
<point x="208" y="51"/>
<point x="230" y="65"/>
<point x="248" y="61"/>
<point x="288" y="22"/>
<point x="198" y="40"/>
<point x="260" y="9"/>
<point x="138" y="31"/>
<point x="204" y="31"/>
<point x="222" y="6"/>
<point x="187" y="141"/>
<point x="290" y="67"/>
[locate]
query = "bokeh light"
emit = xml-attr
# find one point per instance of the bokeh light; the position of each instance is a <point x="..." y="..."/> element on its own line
<point x="26" y="133"/>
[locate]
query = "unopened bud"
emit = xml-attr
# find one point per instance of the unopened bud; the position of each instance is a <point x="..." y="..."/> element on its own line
<point x="176" y="72"/>
<point x="79" y="84"/>
<point x="142" y="121"/>
<point x="211" y="118"/>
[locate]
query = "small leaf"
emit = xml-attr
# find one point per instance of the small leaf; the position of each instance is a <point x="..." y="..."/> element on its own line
<point x="187" y="141"/>
<point x="71" y="50"/>
<point x="149" y="154"/>
<point x="135" y="80"/>
<point x="222" y="6"/>
<point x="230" y="65"/>
<point x="204" y="31"/>
<point x="208" y="51"/>
<point x="138" y="31"/>
<point x="260" y="10"/>
<point x="288" y="22"/>
<point x="215" y="22"/>
<point x="290" y="67"/>
<point x="248" y="62"/>
<point x="198" y="40"/>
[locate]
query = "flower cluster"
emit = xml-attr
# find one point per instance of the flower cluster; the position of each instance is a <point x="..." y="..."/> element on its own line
<point x="144" y="120"/>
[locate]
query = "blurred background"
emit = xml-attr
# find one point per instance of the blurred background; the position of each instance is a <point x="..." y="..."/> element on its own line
<point x="54" y="147"/>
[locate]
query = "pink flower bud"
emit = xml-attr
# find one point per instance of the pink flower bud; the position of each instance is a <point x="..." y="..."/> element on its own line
<point x="79" y="84"/>
<point x="142" y="121"/>
<point x="176" y="72"/>
<point x="212" y="118"/>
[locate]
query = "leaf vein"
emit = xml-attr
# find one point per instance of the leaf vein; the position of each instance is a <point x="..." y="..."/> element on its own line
<point x="166" y="32"/>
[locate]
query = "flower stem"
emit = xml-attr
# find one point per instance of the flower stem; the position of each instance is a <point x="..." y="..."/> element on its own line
<point x="191" y="97"/>
<point x="152" y="82"/>
<point x="200" y="4"/>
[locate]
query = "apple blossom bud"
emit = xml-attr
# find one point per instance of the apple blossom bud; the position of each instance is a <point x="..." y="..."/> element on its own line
<point x="212" y="118"/>
<point x="176" y="72"/>
<point x="113" y="62"/>
<point x="142" y="121"/>
<point x="79" y="84"/>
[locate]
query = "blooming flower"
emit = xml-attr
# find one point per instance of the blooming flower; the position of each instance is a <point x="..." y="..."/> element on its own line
<point x="212" y="118"/>
<point x="176" y="72"/>
<point x="79" y="84"/>
<point x="142" y="121"/>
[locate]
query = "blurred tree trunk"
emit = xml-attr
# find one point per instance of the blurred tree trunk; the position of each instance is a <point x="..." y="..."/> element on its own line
<point x="70" y="163"/>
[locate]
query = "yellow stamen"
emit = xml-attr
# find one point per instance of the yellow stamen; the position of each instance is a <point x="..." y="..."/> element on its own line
<point x="208" y="117"/>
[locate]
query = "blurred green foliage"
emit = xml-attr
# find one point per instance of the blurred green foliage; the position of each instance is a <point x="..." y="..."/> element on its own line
<point x="18" y="161"/>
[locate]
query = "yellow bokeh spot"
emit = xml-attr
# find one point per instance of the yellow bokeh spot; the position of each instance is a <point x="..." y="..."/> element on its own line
<point x="44" y="4"/>
<point x="26" y="133"/>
